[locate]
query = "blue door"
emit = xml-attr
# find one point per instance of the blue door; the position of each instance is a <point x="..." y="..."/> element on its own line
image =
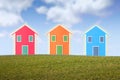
<point x="95" y="51"/>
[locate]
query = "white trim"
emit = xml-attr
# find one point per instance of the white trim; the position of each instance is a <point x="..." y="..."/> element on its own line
<point x="17" y="38"/>
<point x="58" y="26"/>
<point x="100" y="39"/>
<point x="85" y="43"/>
<point x="14" y="44"/>
<point x="88" y="39"/>
<point x="95" y="26"/>
<point x="69" y="42"/>
<point x="29" y="38"/>
<point x="27" y="47"/>
<point x="51" y="38"/>
<point x="35" y="43"/>
<point x="106" y="45"/>
<point x="22" y="27"/>
<point x="93" y="51"/>
<point x="49" y="44"/>
<point x="56" y="49"/>
<point x="67" y="38"/>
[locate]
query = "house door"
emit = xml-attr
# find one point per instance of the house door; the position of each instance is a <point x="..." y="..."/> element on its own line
<point x="59" y="50"/>
<point x="24" y="50"/>
<point x="95" y="51"/>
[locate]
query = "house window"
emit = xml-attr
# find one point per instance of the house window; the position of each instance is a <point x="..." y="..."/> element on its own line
<point x="89" y="39"/>
<point x="30" y="38"/>
<point x="53" y="38"/>
<point x="101" y="39"/>
<point x="65" y="38"/>
<point x="19" y="38"/>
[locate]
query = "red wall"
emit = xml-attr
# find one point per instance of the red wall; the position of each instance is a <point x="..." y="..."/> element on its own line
<point x="24" y="32"/>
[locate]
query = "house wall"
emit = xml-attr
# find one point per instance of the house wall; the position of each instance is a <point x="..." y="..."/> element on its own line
<point x="25" y="41"/>
<point x="59" y="32"/>
<point x="95" y="42"/>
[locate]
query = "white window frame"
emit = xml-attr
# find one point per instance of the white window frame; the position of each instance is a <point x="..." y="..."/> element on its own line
<point x="29" y="38"/>
<point x="100" y="39"/>
<point x="51" y="38"/>
<point x="20" y="37"/>
<point x="88" y="39"/>
<point x="67" y="38"/>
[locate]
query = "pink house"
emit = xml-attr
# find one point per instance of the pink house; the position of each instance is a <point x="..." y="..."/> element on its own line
<point x="24" y="41"/>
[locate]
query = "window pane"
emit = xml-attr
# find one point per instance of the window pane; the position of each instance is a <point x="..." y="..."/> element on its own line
<point x="53" y="38"/>
<point x="65" y="38"/>
<point x="101" y="39"/>
<point x="18" y="38"/>
<point x="30" y="38"/>
<point x="89" y="39"/>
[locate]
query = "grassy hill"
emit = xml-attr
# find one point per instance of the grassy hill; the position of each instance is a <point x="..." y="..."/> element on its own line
<point x="41" y="67"/>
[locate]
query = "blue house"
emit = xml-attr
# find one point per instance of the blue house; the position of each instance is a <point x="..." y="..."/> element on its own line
<point x="95" y="42"/>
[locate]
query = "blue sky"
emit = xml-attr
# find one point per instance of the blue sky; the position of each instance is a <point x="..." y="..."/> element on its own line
<point x="77" y="15"/>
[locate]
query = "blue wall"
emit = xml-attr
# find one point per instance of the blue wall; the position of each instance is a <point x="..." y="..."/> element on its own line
<point x="95" y="33"/>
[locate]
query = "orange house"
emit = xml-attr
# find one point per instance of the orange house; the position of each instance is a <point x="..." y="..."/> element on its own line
<point x="59" y="41"/>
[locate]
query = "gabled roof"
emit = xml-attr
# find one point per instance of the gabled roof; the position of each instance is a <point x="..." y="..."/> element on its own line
<point x="25" y="25"/>
<point x="96" y="27"/>
<point x="59" y="26"/>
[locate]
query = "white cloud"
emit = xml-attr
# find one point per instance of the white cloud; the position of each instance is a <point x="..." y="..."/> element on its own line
<point x="69" y="11"/>
<point x="10" y="11"/>
<point x="61" y="16"/>
<point x="9" y="19"/>
<point x="42" y="10"/>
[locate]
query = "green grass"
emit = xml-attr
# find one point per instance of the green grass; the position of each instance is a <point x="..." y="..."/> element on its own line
<point x="41" y="67"/>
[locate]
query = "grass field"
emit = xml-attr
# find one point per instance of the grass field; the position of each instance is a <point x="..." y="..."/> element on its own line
<point x="41" y="67"/>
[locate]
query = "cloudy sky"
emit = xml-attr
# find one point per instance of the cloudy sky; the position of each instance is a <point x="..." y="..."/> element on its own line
<point x="77" y="15"/>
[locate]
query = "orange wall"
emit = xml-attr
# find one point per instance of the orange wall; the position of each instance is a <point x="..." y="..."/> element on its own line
<point x="59" y="32"/>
